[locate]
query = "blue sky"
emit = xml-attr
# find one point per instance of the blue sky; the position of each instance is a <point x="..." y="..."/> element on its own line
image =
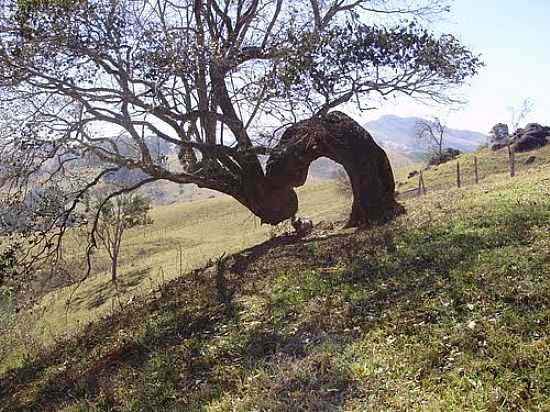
<point x="514" y="40"/>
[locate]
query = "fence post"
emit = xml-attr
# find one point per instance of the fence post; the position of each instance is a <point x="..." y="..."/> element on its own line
<point x="476" y="175"/>
<point x="423" y="185"/>
<point x="512" y="163"/>
<point x="511" y="159"/>
<point x="458" y="174"/>
<point x="161" y="273"/>
<point x="180" y="249"/>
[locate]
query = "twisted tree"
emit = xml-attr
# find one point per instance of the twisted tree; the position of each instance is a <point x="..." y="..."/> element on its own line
<point x="220" y="80"/>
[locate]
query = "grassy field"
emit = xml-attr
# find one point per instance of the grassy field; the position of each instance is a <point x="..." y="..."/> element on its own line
<point x="446" y="308"/>
<point x="201" y="230"/>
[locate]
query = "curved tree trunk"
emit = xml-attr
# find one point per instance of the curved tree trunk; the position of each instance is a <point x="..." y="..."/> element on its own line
<point x="338" y="137"/>
<point x="271" y="203"/>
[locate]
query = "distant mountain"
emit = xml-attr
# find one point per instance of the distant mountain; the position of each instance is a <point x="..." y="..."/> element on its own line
<point x="398" y="134"/>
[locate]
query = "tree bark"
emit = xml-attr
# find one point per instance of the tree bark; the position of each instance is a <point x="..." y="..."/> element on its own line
<point x="114" y="267"/>
<point x="114" y="253"/>
<point x="271" y="203"/>
<point x="338" y="137"/>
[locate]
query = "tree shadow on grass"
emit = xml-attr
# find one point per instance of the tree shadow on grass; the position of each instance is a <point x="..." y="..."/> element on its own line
<point x="244" y="260"/>
<point x="92" y="297"/>
<point x="82" y="369"/>
<point x="181" y="351"/>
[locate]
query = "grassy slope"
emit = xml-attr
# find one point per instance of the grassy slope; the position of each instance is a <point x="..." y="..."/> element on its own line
<point x="491" y="167"/>
<point x="203" y="229"/>
<point x="447" y="308"/>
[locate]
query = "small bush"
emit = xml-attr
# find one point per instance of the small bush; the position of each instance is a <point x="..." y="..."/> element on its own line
<point x="448" y="154"/>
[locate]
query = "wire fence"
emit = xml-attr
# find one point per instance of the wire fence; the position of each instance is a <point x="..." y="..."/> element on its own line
<point x="471" y="172"/>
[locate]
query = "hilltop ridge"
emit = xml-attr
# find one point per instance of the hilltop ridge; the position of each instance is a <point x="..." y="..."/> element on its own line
<point x="399" y="133"/>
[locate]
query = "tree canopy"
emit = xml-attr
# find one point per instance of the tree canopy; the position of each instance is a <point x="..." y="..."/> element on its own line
<point x="217" y="79"/>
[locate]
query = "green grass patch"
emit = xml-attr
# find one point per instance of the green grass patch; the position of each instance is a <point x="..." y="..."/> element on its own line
<point x="446" y="308"/>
